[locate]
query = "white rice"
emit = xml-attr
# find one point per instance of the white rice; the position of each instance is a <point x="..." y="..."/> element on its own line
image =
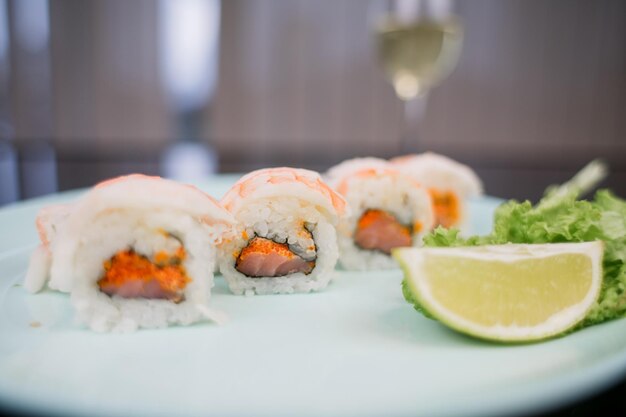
<point x="280" y="219"/>
<point x="141" y="232"/>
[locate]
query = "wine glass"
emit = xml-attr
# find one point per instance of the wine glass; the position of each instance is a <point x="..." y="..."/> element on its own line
<point x="418" y="44"/>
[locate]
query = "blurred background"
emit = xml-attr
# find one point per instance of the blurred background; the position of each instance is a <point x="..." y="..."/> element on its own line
<point x="185" y="88"/>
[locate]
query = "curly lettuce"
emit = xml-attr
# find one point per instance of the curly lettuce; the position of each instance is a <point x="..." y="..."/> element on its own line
<point x="561" y="217"/>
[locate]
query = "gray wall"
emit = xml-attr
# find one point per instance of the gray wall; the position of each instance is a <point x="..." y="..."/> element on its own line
<point x="539" y="90"/>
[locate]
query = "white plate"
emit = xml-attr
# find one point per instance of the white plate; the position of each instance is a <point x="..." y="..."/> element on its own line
<point x="357" y="348"/>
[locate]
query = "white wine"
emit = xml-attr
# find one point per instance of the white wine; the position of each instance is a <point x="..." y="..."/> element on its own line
<point x="418" y="55"/>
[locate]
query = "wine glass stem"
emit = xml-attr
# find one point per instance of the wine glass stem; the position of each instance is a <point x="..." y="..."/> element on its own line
<point x="414" y="110"/>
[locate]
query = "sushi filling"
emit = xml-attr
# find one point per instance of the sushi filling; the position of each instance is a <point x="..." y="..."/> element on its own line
<point x="131" y="275"/>
<point x="381" y="231"/>
<point x="264" y="257"/>
<point x="446" y="208"/>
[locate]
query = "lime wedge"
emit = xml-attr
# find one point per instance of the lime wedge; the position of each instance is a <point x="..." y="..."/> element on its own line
<point x="504" y="292"/>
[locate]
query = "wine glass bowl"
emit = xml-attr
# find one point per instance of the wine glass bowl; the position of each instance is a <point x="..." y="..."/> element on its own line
<point x="417" y="55"/>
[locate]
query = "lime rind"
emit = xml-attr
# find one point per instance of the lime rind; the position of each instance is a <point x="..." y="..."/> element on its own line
<point x="408" y="296"/>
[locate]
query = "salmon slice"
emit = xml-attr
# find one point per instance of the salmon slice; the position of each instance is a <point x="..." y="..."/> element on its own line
<point x="266" y="258"/>
<point x="130" y="275"/>
<point x="446" y="208"/>
<point x="379" y="230"/>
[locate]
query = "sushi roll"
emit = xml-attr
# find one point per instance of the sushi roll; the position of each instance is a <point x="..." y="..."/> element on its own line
<point x="285" y="238"/>
<point x="450" y="184"/>
<point x="389" y="210"/>
<point x="135" y="251"/>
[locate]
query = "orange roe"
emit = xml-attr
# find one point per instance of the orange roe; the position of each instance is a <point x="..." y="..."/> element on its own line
<point x="266" y="246"/>
<point x="128" y="266"/>
<point x="446" y="207"/>
<point x="263" y="246"/>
